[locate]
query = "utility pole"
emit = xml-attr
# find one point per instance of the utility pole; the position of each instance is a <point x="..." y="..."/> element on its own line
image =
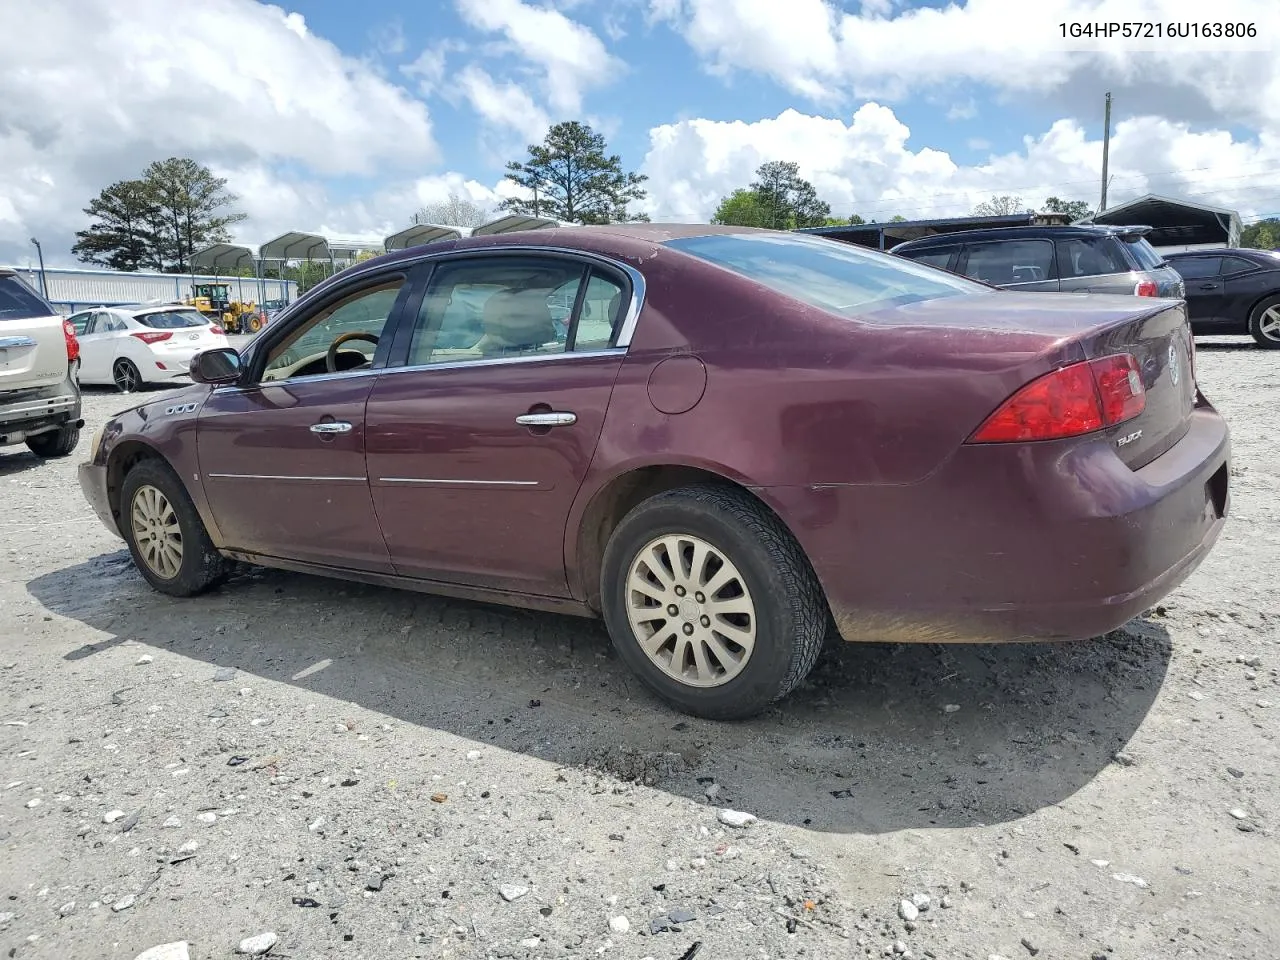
<point x="44" y="283"/>
<point x="1106" y="151"/>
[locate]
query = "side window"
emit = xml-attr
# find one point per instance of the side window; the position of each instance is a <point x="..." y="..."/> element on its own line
<point x="112" y="323"/>
<point x="1234" y="265"/>
<point x="495" y="307"/>
<point x="1196" y="268"/>
<point x="80" y="323"/>
<point x="1090" y="257"/>
<point x="601" y="309"/>
<point x="1010" y="261"/>
<point x="342" y="336"/>
<point x="934" y="257"/>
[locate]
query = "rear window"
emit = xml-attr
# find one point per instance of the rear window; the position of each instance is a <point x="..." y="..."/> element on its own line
<point x="19" y="302"/>
<point x="173" y="319"/>
<point x="1143" y="253"/>
<point x="835" y="276"/>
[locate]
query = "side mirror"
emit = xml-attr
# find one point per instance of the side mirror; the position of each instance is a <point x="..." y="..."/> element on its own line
<point x="219" y="366"/>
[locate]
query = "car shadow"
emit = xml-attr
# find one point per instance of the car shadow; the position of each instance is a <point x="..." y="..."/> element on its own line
<point x="1216" y="346"/>
<point x="17" y="459"/>
<point x="879" y="738"/>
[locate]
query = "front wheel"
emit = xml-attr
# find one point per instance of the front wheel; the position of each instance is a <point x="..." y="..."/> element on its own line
<point x="1264" y="323"/>
<point x="710" y="600"/>
<point x="166" y="537"/>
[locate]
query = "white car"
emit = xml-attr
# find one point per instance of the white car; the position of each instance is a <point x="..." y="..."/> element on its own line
<point x="136" y="345"/>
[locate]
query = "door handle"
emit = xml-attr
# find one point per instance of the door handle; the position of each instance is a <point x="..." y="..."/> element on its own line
<point x="331" y="426"/>
<point x="1208" y="286"/>
<point x="547" y="419"/>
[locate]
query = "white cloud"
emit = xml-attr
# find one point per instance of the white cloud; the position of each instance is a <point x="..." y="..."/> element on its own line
<point x="963" y="111"/>
<point x="97" y="89"/>
<point x="570" y="57"/>
<point x="816" y="50"/>
<point x="977" y="143"/>
<point x="502" y="104"/>
<point x="866" y="166"/>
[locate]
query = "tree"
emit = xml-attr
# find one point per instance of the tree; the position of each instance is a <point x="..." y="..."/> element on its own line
<point x="122" y="238"/>
<point x="897" y="218"/>
<point x="855" y="220"/>
<point x="787" y="200"/>
<point x="159" y="220"/>
<point x="1074" y="209"/>
<point x="570" y="178"/>
<point x="1001" y="206"/>
<point x="455" y="212"/>
<point x="741" y="208"/>
<point x="1263" y="235"/>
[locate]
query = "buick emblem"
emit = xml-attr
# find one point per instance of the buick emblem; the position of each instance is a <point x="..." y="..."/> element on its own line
<point x="1175" y="368"/>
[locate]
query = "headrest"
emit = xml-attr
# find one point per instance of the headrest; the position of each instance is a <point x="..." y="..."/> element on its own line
<point x="517" y="319"/>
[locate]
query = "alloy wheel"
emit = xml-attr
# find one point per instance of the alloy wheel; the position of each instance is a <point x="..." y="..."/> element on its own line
<point x="1269" y="323"/>
<point x="156" y="532"/>
<point x="126" y="377"/>
<point x="690" y="610"/>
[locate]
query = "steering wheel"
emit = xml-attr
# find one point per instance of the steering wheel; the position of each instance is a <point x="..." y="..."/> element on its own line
<point x="331" y="357"/>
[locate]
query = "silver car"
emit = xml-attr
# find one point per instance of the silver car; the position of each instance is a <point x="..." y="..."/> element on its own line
<point x="1086" y="259"/>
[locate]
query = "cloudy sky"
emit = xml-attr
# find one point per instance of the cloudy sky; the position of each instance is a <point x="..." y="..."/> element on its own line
<point x="342" y="117"/>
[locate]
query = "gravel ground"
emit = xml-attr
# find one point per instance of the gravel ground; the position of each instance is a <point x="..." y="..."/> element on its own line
<point x="367" y="773"/>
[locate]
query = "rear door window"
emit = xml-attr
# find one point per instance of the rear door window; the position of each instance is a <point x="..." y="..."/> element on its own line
<point x="1004" y="262"/>
<point x="1090" y="257"/>
<point x="1196" y="268"/>
<point x="19" y="302"/>
<point x="933" y="256"/>
<point x="1232" y="266"/>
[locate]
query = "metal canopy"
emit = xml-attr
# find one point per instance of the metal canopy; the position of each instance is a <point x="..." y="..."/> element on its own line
<point x="296" y="246"/>
<point x="513" y="222"/>
<point x="222" y="256"/>
<point x="1175" y="222"/>
<point x="890" y="233"/>
<point x="420" y="234"/>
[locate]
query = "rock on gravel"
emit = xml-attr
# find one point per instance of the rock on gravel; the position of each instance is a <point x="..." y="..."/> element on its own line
<point x="257" y="946"/>
<point x="908" y="911"/>
<point x="619" y="924"/>
<point x="736" y="818"/>
<point x="166" y="951"/>
<point x="511" y="892"/>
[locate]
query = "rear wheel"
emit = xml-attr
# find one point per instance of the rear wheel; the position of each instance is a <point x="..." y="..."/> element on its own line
<point x="56" y="443"/>
<point x="1264" y="323"/>
<point x="166" y="537"/>
<point x="710" y="600"/>
<point x="255" y="324"/>
<point x="126" y="376"/>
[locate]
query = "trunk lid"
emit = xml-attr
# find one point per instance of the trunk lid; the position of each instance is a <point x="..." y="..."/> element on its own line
<point x="33" y="342"/>
<point x="1160" y="340"/>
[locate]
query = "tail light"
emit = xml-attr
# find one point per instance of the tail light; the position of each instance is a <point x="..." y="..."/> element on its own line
<point x="217" y="330"/>
<point x="73" y="342"/>
<point x="1146" y="288"/>
<point x="1068" y="402"/>
<point x="153" y="336"/>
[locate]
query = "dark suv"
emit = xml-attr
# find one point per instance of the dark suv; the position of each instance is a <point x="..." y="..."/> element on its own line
<point x="1092" y="259"/>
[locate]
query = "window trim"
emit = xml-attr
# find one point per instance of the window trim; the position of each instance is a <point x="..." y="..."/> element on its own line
<point x="630" y="280"/>
<point x="962" y="263"/>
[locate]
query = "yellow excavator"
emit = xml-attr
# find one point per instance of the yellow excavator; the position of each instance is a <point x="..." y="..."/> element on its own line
<point x="214" y="301"/>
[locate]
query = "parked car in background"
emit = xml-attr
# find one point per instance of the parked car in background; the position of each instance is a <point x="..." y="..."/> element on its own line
<point x="1233" y="291"/>
<point x="1091" y="259"/>
<point x="39" y="354"/>
<point x="749" y="437"/>
<point x="129" y="347"/>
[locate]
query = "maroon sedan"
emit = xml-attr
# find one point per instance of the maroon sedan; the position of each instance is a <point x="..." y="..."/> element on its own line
<point x="722" y="441"/>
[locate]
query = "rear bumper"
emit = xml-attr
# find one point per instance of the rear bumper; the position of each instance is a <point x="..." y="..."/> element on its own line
<point x="27" y="413"/>
<point x="1052" y="541"/>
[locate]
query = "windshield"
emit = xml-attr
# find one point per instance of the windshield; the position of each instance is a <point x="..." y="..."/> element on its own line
<point x="1144" y="253"/>
<point x="173" y="319"/>
<point x="835" y="276"/>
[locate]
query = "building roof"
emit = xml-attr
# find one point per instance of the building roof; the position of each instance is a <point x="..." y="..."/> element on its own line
<point x="1175" y="222"/>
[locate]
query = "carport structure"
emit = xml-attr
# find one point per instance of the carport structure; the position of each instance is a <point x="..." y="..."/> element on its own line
<point x="1176" y="224"/>
<point x="309" y="247"/>
<point x="230" y="257"/>
<point x="421" y="234"/>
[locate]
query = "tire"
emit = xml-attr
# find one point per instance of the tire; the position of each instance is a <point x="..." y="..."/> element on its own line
<point x="199" y="566"/>
<point x="56" y="443"/>
<point x="1264" y="324"/>
<point x="255" y="324"/>
<point x="789" y="615"/>
<point x="126" y="376"/>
